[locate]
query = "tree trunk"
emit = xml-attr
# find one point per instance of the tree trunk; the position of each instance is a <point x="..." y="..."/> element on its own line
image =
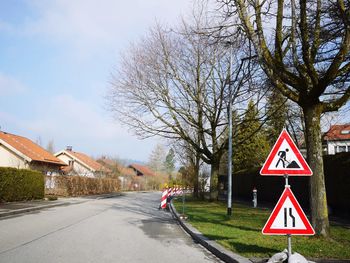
<point x="214" y="174"/>
<point x="318" y="198"/>
<point x="196" y="180"/>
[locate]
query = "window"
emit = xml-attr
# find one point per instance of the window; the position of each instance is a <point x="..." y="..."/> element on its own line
<point x="345" y="132"/>
<point x="70" y="163"/>
<point x="341" y="149"/>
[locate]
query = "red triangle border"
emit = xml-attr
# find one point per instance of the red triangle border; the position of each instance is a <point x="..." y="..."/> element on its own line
<point x="309" y="231"/>
<point x="285" y="136"/>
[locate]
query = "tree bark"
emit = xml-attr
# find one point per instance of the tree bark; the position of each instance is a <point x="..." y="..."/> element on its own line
<point x="196" y="179"/>
<point x="318" y="198"/>
<point x="214" y="173"/>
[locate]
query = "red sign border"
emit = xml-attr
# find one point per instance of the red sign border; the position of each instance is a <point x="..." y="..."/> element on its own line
<point x="285" y="136"/>
<point x="309" y="231"/>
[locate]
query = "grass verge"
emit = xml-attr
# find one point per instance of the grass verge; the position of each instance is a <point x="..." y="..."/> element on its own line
<point x="242" y="232"/>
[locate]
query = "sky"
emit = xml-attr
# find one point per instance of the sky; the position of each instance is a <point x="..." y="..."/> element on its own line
<point x="56" y="61"/>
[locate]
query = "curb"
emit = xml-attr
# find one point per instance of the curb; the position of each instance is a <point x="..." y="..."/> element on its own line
<point x="30" y="209"/>
<point x="212" y="246"/>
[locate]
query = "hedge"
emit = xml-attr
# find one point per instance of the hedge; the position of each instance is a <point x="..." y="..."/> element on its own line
<point x="20" y="184"/>
<point x="64" y="185"/>
<point x="337" y="179"/>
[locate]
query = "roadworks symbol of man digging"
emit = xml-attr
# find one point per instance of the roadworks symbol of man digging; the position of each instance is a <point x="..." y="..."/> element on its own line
<point x="284" y="161"/>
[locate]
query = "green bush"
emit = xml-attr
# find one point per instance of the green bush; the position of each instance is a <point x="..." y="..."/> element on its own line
<point x="20" y="184"/>
<point x="52" y="198"/>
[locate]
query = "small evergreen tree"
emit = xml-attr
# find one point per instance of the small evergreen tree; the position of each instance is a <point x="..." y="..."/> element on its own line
<point x="169" y="163"/>
<point x="277" y="114"/>
<point x="251" y="146"/>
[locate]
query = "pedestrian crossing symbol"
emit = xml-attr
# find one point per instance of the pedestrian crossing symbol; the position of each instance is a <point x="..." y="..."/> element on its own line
<point x="287" y="217"/>
<point x="285" y="158"/>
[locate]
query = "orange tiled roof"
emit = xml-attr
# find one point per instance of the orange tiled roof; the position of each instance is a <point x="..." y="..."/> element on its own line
<point x="88" y="161"/>
<point x="29" y="148"/>
<point x="338" y="132"/>
<point x="145" y="170"/>
<point x="107" y="162"/>
<point x="124" y="171"/>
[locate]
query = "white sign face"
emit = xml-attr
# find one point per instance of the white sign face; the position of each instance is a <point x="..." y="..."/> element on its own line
<point x="285" y="158"/>
<point x="288" y="217"/>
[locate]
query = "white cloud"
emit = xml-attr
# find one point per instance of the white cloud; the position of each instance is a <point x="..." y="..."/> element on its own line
<point x="69" y="121"/>
<point x="10" y="85"/>
<point x="84" y="36"/>
<point x="67" y="116"/>
<point x="101" y="24"/>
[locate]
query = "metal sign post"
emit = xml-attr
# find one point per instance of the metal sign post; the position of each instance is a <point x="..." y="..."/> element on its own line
<point x="289" y="242"/>
<point x="183" y="203"/>
<point x="287" y="218"/>
<point x="289" y="236"/>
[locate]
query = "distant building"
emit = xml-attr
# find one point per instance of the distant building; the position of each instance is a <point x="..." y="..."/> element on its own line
<point x="142" y="170"/>
<point x="20" y="152"/>
<point x="127" y="177"/>
<point x="337" y="139"/>
<point x="81" y="164"/>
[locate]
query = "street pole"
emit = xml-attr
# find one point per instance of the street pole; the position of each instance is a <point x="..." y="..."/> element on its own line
<point x="229" y="161"/>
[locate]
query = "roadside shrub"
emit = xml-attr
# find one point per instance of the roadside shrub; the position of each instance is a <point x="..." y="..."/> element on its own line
<point x="78" y="185"/>
<point x="20" y="184"/>
<point x="52" y="198"/>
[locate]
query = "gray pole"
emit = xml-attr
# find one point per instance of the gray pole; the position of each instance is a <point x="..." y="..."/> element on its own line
<point x="229" y="168"/>
<point x="289" y="243"/>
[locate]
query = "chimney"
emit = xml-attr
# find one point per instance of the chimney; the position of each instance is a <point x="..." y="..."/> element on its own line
<point x="69" y="148"/>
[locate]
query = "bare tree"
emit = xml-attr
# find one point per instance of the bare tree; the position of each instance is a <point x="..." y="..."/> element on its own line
<point x="174" y="84"/>
<point x="303" y="47"/>
<point x="157" y="159"/>
<point x="50" y="146"/>
<point x="190" y="160"/>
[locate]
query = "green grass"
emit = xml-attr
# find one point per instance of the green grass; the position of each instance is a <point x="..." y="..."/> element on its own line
<point x="242" y="232"/>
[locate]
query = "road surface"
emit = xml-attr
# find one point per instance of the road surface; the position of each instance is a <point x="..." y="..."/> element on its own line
<point x="129" y="228"/>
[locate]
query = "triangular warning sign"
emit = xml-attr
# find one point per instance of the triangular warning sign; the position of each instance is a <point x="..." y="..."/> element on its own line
<point x="285" y="158"/>
<point x="287" y="217"/>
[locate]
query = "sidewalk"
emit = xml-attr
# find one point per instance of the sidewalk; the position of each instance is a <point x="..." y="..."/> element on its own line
<point x="15" y="208"/>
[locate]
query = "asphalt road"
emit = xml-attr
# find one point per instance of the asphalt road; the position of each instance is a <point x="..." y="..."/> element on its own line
<point x="128" y="228"/>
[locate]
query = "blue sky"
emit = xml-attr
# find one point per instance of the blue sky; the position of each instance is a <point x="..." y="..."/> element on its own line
<point x="56" y="59"/>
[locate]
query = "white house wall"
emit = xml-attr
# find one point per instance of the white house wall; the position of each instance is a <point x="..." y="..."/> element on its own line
<point x="333" y="145"/>
<point x="78" y="168"/>
<point x="64" y="158"/>
<point x="10" y="159"/>
<point x="82" y="170"/>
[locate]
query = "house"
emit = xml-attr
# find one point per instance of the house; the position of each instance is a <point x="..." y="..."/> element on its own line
<point x="20" y="152"/>
<point x="109" y="164"/>
<point x="81" y="164"/>
<point x="145" y="178"/>
<point x="128" y="177"/>
<point x="337" y="139"/>
<point x="141" y="170"/>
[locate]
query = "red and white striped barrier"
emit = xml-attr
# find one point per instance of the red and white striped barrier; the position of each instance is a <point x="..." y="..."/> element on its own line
<point x="170" y="192"/>
<point x="164" y="198"/>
